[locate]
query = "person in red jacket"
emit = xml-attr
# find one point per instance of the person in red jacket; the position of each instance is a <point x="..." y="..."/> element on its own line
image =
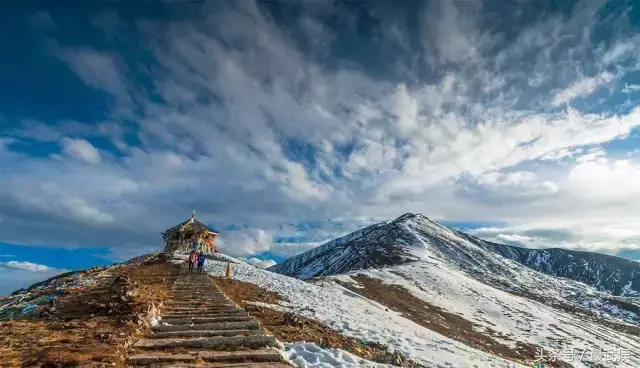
<point x="193" y="256"/>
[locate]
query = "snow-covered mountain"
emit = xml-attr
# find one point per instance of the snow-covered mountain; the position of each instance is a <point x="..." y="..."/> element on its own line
<point x="412" y="238"/>
<point x="614" y="275"/>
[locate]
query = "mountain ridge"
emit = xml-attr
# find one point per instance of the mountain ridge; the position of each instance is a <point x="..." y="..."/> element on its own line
<point x="606" y="273"/>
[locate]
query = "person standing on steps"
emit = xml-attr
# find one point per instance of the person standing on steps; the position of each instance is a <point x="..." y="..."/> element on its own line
<point x="192" y="259"/>
<point x="201" y="262"/>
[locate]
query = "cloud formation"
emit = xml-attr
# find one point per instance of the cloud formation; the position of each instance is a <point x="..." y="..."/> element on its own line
<point x="80" y="149"/>
<point x="27" y="266"/>
<point x="263" y="124"/>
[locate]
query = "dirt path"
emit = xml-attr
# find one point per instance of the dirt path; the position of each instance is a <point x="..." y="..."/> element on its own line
<point x="200" y="327"/>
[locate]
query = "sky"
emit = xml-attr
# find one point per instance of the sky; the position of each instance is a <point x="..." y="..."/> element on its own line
<point x="285" y="125"/>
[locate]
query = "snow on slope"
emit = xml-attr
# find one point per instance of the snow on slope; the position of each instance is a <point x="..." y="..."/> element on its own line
<point x="355" y="316"/>
<point x="518" y="318"/>
<point x="411" y="238"/>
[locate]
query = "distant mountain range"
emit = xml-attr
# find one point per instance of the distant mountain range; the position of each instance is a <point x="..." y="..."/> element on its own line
<point x="614" y="275"/>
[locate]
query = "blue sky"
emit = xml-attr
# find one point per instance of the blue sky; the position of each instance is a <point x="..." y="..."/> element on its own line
<point x="286" y="125"/>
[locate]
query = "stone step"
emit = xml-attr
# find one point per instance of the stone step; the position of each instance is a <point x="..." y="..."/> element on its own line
<point x="262" y="355"/>
<point x="220" y="342"/>
<point x="177" y="302"/>
<point x="183" y="299"/>
<point x="203" y="309"/>
<point x="199" y="314"/>
<point x="199" y="301"/>
<point x="203" y="315"/>
<point x="155" y="358"/>
<point x="207" y="286"/>
<point x="199" y="320"/>
<point x="203" y="333"/>
<point x="200" y="307"/>
<point x="198" y="311"/>
<point x="192" y="305"/>
<point x="242" y="325"/>
<point x="188" y="295"/>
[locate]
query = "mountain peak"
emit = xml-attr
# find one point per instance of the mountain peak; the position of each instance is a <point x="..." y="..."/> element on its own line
<point x="408" y="216"/>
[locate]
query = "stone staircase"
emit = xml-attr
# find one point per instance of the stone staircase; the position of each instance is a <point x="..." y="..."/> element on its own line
<point x="200" y="327"/>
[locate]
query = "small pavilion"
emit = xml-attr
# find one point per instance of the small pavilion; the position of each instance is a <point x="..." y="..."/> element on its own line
<point x="191" y="234"/>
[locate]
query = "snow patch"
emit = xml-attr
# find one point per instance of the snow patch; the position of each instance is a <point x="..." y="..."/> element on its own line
<point x="309" y="355"/>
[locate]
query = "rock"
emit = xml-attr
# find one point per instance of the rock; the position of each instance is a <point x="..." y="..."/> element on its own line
<point x="292" y="319"/>
<point x="254" y="308"/>
<point x="398" y="358"/>
<point x="132" y="293"/>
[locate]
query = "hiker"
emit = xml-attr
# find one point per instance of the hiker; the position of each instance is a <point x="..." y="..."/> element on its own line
<point x="201" y="262"/>
<point x="192" y="259"/>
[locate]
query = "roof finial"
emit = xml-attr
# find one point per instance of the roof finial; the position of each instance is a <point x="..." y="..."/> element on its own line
<point x="193" y="215"/>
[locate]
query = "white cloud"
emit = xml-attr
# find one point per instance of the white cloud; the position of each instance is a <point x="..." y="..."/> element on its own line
<point x="99" y="70"/>
<point x="245" y="242"/>
<point x="581" y="88"/>
<point x="261" y="263"/>
<point x="406" y="109"/>
<point x="620" y="50"/>
<point x="604" y="180"/>
<point x="451" y="31"/>
<point x="80" y="149"/>
<point x="81" y="210"/>
<point x="519" y="182"/>
<point x="630" y="88"/>
<point x="27" y="266"/>
<point x="513" y="238"/>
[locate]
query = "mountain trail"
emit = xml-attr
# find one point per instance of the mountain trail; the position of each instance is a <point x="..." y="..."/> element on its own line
<point x="198" y="326"/>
